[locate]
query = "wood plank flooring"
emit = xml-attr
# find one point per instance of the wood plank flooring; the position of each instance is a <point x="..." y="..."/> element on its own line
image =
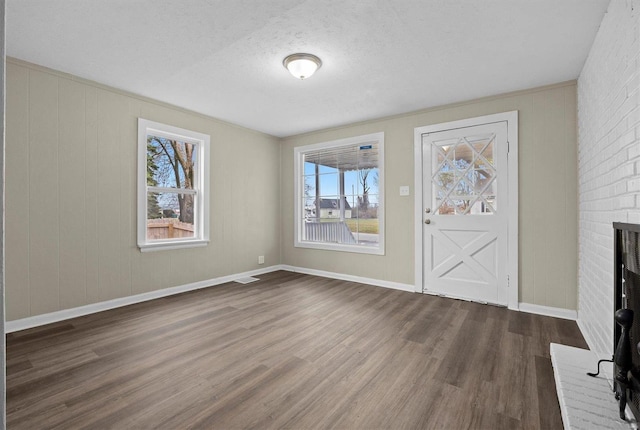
<point x="290" y="351"/>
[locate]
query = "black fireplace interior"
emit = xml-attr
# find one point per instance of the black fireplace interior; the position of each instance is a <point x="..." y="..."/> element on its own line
<point x="627" y="295"/>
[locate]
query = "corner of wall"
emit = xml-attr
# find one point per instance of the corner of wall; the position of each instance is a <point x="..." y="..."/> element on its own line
<point x="3" y="360"/>
<point x="280" y="206"/>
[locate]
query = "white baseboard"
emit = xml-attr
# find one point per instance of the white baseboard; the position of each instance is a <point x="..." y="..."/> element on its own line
<point x="65" y="314"/>
<point x="548" y="311"/>
<point x="38" y="320"/>
<point x="352" y="278"/>
<point x="522" y="307"/>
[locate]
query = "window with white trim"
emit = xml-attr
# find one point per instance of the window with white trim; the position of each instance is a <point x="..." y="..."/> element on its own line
<point x="339" y="202"/>
<point x="173" y="187"/>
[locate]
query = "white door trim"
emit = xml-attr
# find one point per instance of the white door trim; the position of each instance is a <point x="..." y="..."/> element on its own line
<point x="512" y="243"/>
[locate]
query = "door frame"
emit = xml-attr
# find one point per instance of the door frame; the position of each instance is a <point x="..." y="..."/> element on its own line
<point x="511" y="119"/>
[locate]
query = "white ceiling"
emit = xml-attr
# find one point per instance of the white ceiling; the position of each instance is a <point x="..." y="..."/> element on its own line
<point x="223" y="58"/>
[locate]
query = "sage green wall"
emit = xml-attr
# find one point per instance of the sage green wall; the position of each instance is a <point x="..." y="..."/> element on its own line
<point x="547" y="193"/>
<point x="71" y="196"/>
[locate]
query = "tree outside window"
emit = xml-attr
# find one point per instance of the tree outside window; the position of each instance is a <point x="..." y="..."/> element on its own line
<point x="174" y="187"/>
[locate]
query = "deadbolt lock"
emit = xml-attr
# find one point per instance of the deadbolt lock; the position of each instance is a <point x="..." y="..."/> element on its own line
<point x="428" y="210"/>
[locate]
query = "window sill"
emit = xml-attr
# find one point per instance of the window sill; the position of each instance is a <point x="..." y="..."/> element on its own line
<point x="166" y="246"/>
<point x="358" y="249"/>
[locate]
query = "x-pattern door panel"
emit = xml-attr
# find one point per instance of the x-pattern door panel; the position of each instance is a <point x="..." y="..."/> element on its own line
<point x="465" y="196"/>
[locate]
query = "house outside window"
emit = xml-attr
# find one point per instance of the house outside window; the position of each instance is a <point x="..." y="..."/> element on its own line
<point x="173" y="182"/>
<point x="339" y="202"/>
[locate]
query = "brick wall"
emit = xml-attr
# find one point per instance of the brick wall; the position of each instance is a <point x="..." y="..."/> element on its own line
<point x="608" y="163"/>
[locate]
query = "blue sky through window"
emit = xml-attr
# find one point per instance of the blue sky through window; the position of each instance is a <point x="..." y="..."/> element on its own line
<point x="329" y="182"/>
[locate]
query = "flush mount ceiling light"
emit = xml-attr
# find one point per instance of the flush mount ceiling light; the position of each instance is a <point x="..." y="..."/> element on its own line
<point x="302" y="65"/>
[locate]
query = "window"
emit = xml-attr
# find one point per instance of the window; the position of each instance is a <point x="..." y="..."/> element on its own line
<point x="173" y="181"/>
<point x="339" y="195"/>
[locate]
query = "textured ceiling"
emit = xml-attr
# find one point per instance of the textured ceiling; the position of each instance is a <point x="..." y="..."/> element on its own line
<point x="223" y="58"/>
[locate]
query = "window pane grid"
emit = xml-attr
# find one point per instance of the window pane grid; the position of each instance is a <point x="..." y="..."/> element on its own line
<point x="171" y="190"/>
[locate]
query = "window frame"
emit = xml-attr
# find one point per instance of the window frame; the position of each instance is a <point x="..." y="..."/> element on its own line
<point x="299" y="152"/>
<point x="200" y="185"/>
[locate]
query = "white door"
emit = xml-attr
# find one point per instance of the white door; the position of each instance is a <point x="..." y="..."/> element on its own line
<point x="465" y="212"/>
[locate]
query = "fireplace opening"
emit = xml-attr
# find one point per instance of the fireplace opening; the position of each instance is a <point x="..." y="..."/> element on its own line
<point x="627" y="296"/>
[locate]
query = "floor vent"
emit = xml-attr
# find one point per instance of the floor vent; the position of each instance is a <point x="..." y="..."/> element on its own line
<point x="246" y="280"/>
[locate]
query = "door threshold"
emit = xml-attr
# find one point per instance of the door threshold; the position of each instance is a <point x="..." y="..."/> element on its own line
<point x="464" y="299"/>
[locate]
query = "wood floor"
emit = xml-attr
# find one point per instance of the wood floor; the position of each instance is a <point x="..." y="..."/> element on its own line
<point x="290" y="351"/>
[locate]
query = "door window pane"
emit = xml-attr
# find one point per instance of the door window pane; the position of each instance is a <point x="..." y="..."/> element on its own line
<point x="464" y="179"/>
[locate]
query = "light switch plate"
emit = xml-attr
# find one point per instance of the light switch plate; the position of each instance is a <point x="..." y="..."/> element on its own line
<point x="404" y="190"/>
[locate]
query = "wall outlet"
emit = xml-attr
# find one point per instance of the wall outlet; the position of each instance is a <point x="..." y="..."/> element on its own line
<point x="404" y="190"/>
<point x="261" y="259"/>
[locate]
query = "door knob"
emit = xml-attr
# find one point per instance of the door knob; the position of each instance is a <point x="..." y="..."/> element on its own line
<point x="427" y="221"/>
